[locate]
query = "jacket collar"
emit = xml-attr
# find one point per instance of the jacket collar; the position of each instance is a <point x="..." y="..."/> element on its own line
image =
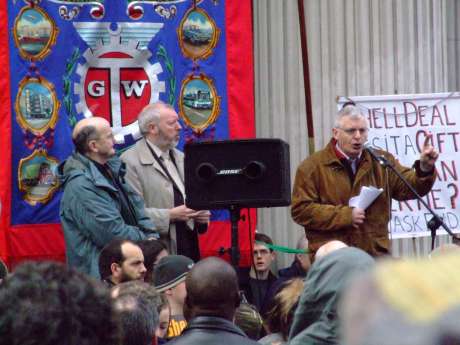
<point x="329" y="158"/>
<point x="146" y="157"/>
<point x="213" y="322"/>
<point x="78" y="164"/>
<point x="330" y="155"/>
<point x="99" y="179"/>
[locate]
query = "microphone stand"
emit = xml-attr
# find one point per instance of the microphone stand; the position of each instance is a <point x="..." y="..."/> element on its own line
<point x="234" y="251"/>
<point x="435" y="222"/>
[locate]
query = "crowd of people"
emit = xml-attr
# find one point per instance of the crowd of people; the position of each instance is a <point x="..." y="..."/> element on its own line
<point x="134" y="274"/>
<point x="344" y="297"/>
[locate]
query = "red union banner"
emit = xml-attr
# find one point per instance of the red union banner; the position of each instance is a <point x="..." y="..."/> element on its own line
<point x="63" y="60"/>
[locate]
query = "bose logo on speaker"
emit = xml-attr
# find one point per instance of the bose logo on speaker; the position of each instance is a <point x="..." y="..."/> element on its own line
<point x="237" y="173"/>
<point x="230" y="172"/>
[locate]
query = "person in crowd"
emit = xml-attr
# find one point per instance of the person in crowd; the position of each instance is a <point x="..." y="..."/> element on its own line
<point x="298" y="268"/>
<point x="156" y="172"/>
<point x="326" y="181"/>
<point x="120" y="261"/>
<point x="97" y="205"/>
<point x="316" y="320"/>
<point x="406" y="302"/>
<point x="329" y="247"/>
<point x="3" y="270"/>
<point x="301" y="263"/>
<point x="280" y="316"/>
<point x="212" y="297"/>
<point x="248" y="318"/>
<point x="256" y="283"/>
<point x="164" y="314"/>
<point x="51" y="304"/>
<point x="155" y="299"/>
<point x="153" y="251"/>
<point x="138" y="288"/>
<point x="169" y="279"/>
<point x="138" y="320"/>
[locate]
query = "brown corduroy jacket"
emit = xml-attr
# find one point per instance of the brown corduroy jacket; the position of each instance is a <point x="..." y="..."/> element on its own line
<point x="323" y="188"/>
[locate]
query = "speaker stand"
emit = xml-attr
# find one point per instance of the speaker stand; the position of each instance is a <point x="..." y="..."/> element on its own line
<point x="234" y="250"/>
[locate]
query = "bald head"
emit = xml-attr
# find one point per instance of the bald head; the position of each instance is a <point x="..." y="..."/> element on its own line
<point x="95" y="122"/>
<point x="93" y="137"/>
<point x="328" y="248"/>
<point x="212" y="289"/>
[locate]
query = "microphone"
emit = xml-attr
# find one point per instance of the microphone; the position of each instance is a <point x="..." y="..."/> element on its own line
<point x="377" y="158"/>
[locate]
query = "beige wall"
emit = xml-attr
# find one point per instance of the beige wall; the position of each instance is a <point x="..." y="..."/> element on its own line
<point x="356" y="47"/>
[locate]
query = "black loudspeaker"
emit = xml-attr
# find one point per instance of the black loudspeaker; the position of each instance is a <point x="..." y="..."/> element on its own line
<point x="239" y="173"/>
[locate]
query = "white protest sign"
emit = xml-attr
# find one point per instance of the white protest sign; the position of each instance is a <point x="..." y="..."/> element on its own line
<point x="399" y="125"/>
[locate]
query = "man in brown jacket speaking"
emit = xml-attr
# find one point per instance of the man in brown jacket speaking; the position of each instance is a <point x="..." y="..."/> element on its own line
<point x="326" y="181"/>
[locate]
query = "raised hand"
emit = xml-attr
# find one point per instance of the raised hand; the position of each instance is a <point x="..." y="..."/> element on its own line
<point x="428" y="156"/>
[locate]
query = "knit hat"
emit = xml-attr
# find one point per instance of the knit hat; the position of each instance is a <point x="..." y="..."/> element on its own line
<point x="170" y="271"/>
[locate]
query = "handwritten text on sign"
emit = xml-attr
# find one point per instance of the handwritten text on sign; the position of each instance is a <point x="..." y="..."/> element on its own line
<point x="399" y="125"/>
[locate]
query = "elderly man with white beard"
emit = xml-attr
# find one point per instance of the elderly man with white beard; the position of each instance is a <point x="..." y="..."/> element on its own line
<point x="155" y="169"/>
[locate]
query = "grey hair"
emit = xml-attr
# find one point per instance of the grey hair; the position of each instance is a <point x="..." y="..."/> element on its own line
<point x="349" y="110"/>
<point x="83" y="137"/>
<point x="150" y="114"/>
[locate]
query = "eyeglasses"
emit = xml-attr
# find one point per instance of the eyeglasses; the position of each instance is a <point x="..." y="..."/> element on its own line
<point x="352" y="131"/>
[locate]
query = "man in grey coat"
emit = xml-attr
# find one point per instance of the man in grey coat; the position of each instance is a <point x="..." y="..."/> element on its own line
<point x="155" y="170"/>
<point x="97" y="205"/>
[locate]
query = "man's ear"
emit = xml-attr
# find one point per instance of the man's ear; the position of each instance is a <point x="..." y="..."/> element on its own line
<point x="154" y="128"/>
<point x="92" y="145"/>
<point x="335" y="133"/>
<point x="115" y="269"/>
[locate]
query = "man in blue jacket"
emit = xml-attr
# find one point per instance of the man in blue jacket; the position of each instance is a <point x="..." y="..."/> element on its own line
<point x="97" y="205"/>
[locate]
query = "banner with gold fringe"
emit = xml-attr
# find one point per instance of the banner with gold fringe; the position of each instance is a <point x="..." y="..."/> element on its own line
<point x="62" y="60"/>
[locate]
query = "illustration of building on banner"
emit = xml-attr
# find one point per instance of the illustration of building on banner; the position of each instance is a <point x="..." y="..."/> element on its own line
<point x="37" y="178"/>
<point x="38" y="106"/>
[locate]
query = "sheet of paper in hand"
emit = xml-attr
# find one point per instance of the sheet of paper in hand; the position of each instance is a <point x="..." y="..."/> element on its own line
<point x="366" y="197"/>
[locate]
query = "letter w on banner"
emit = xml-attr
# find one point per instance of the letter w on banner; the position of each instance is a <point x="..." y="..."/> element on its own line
<point x="63" y="60"/>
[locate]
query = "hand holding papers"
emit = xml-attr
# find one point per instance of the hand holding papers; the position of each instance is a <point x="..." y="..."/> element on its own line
<point x="366" y="197"/>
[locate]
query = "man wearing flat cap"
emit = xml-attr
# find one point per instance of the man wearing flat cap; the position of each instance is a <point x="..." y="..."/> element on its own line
<point x="169" y="278"/>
